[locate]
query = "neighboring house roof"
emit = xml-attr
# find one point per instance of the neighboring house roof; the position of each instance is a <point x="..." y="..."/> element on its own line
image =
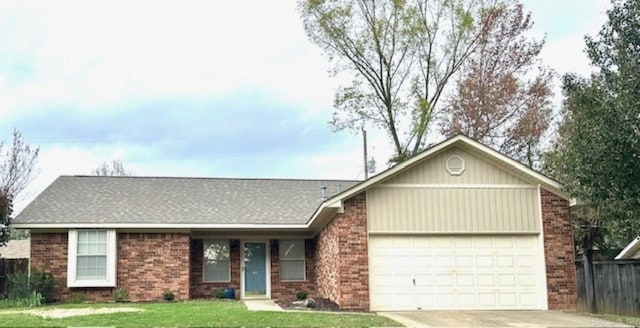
<point x="16" y="249"/>
<point x="160" y="200"/>
<point x="632" y="251"/>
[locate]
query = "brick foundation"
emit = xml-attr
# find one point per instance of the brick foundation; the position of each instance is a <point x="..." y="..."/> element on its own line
<point x="342" y="273"/>
<point x="148" y="265"/>
<point x="287" y="289"/>
<point x="559" y="252"/>
<point x="201" y="289"/>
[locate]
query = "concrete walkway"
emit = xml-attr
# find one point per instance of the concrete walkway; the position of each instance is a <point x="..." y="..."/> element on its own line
<point x="262" y="305"/>
<point x="496" y="319"/>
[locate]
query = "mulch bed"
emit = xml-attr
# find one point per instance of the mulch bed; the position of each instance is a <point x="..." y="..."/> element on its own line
<point x="322" y="304"/>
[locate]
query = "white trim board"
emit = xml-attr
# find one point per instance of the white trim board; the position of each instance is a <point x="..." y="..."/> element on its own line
<point x="453" y="186"/>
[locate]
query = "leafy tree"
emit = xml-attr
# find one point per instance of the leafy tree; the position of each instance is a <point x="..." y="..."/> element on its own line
<point x="113" y="168"/>
<point x="17" y="164"/>
<point x="597" y="153"/>
<point x="403" y="55"/>
<point x="496" y="101"/>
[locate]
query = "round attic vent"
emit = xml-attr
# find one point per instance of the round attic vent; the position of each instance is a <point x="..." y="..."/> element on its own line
<point x="455" y="165"/>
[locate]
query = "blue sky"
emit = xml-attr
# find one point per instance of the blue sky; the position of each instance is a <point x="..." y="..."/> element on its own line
<point x="190" y="88"/>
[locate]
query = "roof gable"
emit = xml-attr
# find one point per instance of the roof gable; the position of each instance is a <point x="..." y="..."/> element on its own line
<point x="469" y="145"/>
<point x="461" y="142"/>
<point x="475" y="170"/>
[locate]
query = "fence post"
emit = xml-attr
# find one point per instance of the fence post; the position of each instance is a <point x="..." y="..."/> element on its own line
<point x="2" y="278"/>
<point x="589" y="280"/>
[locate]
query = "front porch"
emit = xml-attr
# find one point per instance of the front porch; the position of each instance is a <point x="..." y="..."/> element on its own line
<point x="253" y="267"/>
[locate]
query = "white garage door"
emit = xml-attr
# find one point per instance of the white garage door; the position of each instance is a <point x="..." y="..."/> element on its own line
<point x="455" y="272"/>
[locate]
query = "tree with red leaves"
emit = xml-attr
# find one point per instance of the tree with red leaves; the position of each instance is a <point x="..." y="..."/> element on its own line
<point x="504" y="98"/>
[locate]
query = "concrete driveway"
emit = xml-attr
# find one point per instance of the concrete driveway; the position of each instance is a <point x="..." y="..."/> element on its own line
<point x="496" y="319"/>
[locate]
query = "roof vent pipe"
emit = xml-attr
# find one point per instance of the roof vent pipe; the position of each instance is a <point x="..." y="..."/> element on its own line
<point x="323" y="192"/>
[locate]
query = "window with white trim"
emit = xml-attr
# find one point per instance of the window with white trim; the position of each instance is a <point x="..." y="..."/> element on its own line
<point x="91" y="258"/>
<point x="216" y="261"/>
<point x="292" y="267"/>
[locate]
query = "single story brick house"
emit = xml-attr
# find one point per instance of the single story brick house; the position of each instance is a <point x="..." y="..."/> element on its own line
<point x="458" y="226"/>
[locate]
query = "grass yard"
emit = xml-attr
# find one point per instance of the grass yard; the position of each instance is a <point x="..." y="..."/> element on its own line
<point x="190" y="314"/>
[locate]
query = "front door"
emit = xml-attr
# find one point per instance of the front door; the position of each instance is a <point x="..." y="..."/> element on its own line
<point x="255" y="269"/>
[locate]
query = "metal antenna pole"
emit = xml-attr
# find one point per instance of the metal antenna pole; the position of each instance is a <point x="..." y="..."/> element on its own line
<point x="364" y="141"/>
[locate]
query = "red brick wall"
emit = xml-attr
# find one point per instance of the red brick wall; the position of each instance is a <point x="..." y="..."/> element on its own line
<point x="148" y="265"/>
<point x="201" y="289"/>
<point x="151" y="263"/>
<point x="342" y="273"/>
<point x="288" y="289"/>
<point x="559" y="252"/>
<point x="326" y="270"/>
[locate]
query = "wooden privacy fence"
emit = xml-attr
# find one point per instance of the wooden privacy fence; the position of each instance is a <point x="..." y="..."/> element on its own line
<point x="8" y="267"/>
<point x="617" y="287"/>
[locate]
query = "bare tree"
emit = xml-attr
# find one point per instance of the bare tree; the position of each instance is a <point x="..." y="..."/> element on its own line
<point x="403" y="55"/>
<point x="17" y="164"/>
<point x="113" y="168"/>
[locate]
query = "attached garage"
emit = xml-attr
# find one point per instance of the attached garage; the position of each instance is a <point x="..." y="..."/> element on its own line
<point x="456" y="272"/>
<point x="456" y="232"/>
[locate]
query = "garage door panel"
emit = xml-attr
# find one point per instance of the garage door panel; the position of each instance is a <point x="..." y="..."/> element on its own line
<point x="507" y="299"/>
<point x="487" y="300"/>
<point x="455" y="272"/>
<point x="526" y="261"/>
<point x="424" y="280"/>
<point x="529" y="299"/>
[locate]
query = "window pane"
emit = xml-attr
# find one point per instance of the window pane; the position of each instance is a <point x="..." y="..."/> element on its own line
<point x="91" y="249"/>
<point x="82" y="249"/>
<point x="292" y="270"/>
<point x="102" y="237"/>
<point x="82" y="237"/>
<point x="216" y="250"/>
<point x="216" y="260"/>
<point x="91" y="267"/>
<point x="217" y="271"/>
<point x="101" y="249"/>
<point x="92" y="242"/>
<point x="292" y="249"/>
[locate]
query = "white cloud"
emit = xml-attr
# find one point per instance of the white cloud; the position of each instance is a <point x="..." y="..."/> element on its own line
<point x="91" y="54"/>
<point x="87" y="56"/>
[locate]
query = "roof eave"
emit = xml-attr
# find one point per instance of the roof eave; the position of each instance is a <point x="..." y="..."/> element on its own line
<point x="159" y="226"/>
<point x="629" y="250"/>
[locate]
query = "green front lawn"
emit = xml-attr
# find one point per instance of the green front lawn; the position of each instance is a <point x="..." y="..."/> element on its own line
<point x="191" y="314"/>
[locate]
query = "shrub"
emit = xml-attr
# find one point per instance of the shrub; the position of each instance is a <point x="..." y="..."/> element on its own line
<point x="18" y="286"/>
<point x="77" y="298"/>
<point x="219" y="293"/>
<point x="120" y="295"/>
<point x="168" y="296"/>
<point x="301" y="295"/>
<point x="34" y="299"/>
<point x="21" y="285"/>
<point x="42" y="283"/>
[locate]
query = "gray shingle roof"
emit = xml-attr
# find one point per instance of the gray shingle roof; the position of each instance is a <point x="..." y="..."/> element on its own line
<point x="91" y="199"/>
